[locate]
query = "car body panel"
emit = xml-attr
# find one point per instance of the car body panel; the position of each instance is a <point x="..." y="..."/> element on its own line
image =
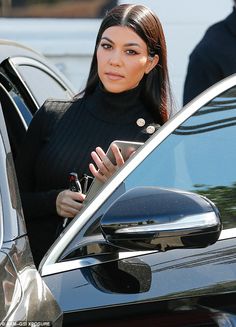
<point x="23" y="287"/>
<point x="77" y="290"/>
<point x="21" y="284"/>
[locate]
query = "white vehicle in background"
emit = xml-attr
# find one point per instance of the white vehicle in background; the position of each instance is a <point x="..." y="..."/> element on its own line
<point x="69" y="43"/>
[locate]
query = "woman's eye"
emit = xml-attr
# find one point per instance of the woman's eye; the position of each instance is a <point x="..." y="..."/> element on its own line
<point x="131" y="52"/>
<point x="105" y="45"/>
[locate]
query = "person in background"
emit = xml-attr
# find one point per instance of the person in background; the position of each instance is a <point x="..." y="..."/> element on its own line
<point x="213" y="59"/>
<point x="126" y="97"/>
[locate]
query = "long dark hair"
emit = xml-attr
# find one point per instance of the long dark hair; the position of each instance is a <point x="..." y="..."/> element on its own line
<point x="156" y="87"/>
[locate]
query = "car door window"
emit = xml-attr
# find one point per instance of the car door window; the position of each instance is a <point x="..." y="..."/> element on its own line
<point x="10" y="207"/>
<point x="15" y="122"/>
<point x="39" y="79"/>
<point x="199" y="156"/>
<point x="15" y="96"/>
<point x="193" y="157"/>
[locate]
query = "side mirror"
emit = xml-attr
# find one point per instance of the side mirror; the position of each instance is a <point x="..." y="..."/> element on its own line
<point x="152" y="218"/>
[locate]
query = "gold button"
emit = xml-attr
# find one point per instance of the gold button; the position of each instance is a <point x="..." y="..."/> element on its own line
<point x="140" y="122"/>
<point x="150" y="129"/>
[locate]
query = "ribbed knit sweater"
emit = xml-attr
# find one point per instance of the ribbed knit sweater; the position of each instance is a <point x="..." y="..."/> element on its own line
<point x="60" y="140"/>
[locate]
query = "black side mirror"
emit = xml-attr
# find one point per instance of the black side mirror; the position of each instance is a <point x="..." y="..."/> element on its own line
<point x="152" y="218"/>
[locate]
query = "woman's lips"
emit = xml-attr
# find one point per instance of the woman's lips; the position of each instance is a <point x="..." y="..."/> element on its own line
<point x="114" y="76"/>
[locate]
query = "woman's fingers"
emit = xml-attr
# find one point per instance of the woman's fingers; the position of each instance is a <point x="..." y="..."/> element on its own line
<point x="96" y="173"/>
<point x="69" y="203"/>
<point x="104" y="167"/>
<point x="117" y="154"/>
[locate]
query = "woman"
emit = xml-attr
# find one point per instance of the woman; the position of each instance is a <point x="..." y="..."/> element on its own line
<point x="125" y="98"/>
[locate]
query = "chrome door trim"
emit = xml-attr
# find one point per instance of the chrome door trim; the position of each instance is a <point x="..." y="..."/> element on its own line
<point x="69" y="265"/>
<point x="86" y="262"/>
<point x="227" y="233"/>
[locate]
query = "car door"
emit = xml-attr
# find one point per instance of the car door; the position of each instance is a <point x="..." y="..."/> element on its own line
<point x="32" y="81"/>
<point x="24" y="296"/>
<point x="27" y="80"/>
<point x="35" y="75"/>
<point x="94" y="282"/>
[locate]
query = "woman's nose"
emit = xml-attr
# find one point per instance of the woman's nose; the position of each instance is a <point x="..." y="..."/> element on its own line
<point x="115" y="58"/>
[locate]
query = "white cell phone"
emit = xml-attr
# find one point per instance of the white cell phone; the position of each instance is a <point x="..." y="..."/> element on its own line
<point x="126" y="148"/>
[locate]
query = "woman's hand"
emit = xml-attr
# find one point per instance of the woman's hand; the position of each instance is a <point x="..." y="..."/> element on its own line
<point x="67" y="204"/>
<point x="105" y="168"/>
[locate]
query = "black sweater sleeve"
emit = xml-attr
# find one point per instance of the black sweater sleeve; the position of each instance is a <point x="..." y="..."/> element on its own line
<point x="35" y="204"/>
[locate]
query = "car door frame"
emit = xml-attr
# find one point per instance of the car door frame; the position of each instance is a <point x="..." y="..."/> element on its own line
<point x="11" y="64"/>
<point x="21" y="284"/>
<point x="49" y="264"/>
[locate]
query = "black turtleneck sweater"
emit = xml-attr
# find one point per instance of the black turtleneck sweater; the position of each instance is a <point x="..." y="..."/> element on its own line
<point x="60" y="140"/>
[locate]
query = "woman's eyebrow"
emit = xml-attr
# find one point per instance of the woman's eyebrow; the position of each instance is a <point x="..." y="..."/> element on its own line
<point x="107" y="38"/>
<point x="126" y="44"/>
<point x="132" y="44"/>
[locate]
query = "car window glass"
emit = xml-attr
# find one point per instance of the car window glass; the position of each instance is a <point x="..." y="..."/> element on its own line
<point x="199" y="156"/>
<point x="15" y="123"/>
<point x="42" y="84"/>
<point x="20" y="103"/>
<point x="10" y="203"/>
<point x="15" y="96"/>
<point x="41" y="80"/>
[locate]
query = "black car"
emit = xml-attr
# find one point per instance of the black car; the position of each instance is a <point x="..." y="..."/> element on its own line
<point x="157" y="244"/>
<point x="26" y="80"/>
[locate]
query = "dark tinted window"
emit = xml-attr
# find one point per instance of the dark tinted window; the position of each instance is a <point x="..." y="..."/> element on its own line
<point x="15" y="96"/>
<point x="199" y="156"/>
<point x="27" y="115"/>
